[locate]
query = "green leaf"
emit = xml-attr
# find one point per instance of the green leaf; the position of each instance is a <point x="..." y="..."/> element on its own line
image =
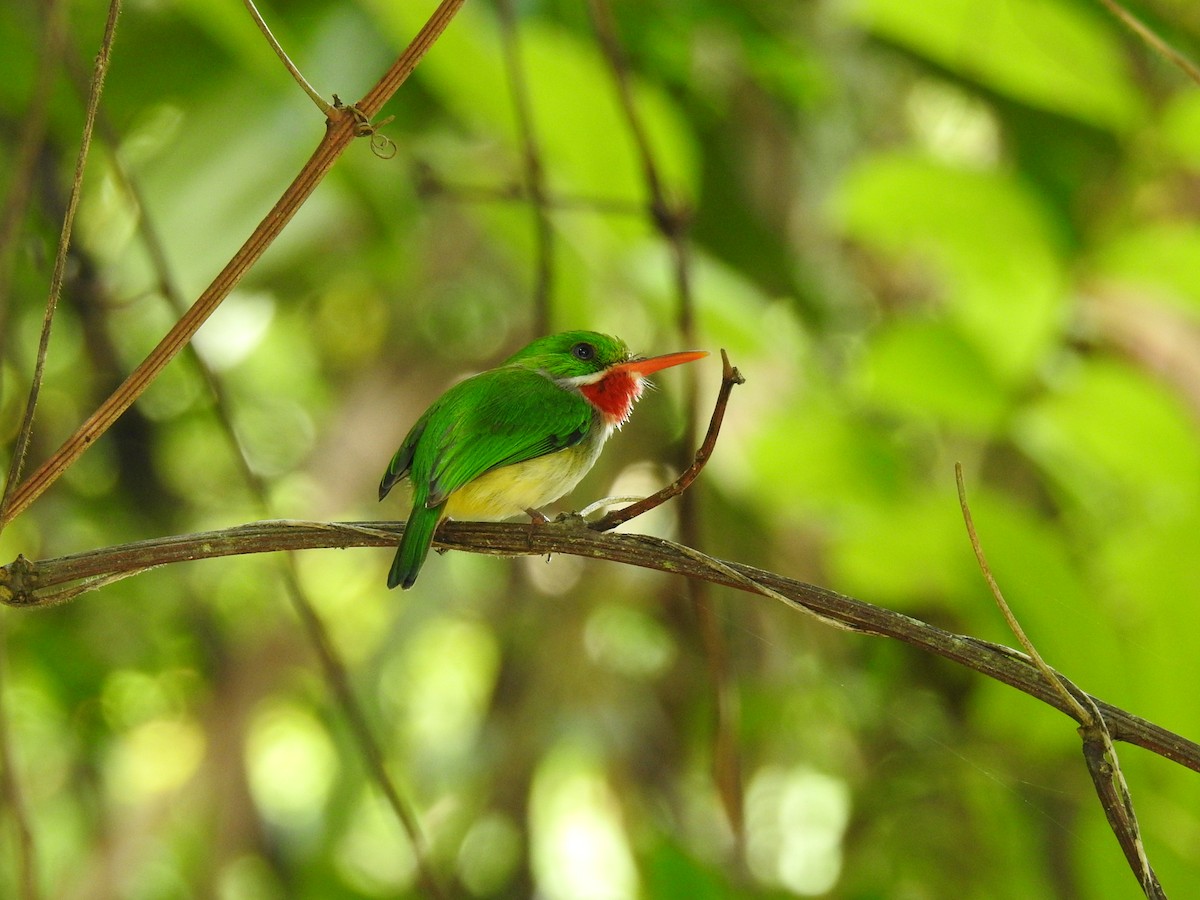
<point x="920" y="368"/>
<point x="584" y="140"/>
<point x="1118" y="443"/>
<point x="1161" y="256"/>
<point x="1047" y="53"/>
<point x="983" y="233"/>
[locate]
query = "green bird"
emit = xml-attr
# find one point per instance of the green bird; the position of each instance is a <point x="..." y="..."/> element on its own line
<point x="512" y="439"/>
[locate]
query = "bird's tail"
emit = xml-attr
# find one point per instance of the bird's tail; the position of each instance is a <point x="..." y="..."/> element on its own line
<point x="414" y="546"/>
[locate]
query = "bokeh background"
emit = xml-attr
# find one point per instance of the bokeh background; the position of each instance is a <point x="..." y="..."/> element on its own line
<point x="951" y="230"/>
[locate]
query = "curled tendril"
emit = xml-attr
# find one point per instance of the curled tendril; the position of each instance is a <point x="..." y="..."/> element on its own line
<point x="381" y="145"/>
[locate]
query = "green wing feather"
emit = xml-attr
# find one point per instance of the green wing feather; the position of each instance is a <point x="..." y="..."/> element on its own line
<point x="497" y="418"/>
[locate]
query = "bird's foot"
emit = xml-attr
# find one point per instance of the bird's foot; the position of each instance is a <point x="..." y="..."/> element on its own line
<point x="536" y="517"/>
<point x="571" y="520"/>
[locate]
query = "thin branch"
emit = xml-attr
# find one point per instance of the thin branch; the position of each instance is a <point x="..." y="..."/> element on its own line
<point x="730" y="377"/>
<point x="1098" y="751"/>
<point x="32" y="137"/>
<point x="1079" y="713"/>
<point x="430" y="184"/>
<point x="316" y="98"/>
<point x="28" y="584"/>
<point x="672" y="220"/>
<point x="344" y="125"/>
<point x="534" y="174"/>
<point x="8" y="501"/>
<point x="1147" y="34"/>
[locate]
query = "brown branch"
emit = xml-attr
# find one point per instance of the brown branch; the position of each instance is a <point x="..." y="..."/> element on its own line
<point x="28" y="584"/>
<point x="54" y="41"/>
<point x="342" y="128"/>
<point x="730" y="377"/>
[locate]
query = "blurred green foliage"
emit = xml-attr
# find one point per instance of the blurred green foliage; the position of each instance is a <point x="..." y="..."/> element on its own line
<point x="926" y="232"/>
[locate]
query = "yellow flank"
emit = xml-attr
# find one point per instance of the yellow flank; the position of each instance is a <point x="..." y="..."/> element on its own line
<point x="509" y="491"/>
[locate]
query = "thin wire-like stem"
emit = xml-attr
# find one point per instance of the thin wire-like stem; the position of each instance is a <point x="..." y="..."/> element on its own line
<point x="1082" y="715"/>
<point x="730" y="378"/>
<point x="299" y="78"/>
<point x="534" y="181"/>
<point x="1151" y="37"/>
<point x="1099" y="753"/>
<point x="32" y="137"/>
<point x="8" y="502"/>
<point x="344" y="125"/>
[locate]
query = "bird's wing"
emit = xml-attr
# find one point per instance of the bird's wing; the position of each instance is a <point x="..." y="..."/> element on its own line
<point x="402" y="461"/>
<point x="495" y="419"/>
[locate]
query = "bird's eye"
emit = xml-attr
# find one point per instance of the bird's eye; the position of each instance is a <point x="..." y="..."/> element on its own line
<point x="583" y="350"/>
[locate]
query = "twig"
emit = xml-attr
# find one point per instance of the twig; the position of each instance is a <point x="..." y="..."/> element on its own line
<point x="30" y="584"/>
<point x="344" y="125"/>
<point x="8" y="501"/>
<point x="316" y="98"/>
<point x="1098" y="750"/>
<point x="672" y="220"/>
<point x="1138" y="27"/>
<point x="33" y="134"/>
<point x="730" y="377"/>
<point x="430" y="184"/>
<point x="1080" y="714"/>
<point x="534" y="175"/>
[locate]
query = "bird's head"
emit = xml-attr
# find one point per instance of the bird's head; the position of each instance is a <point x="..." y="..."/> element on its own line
<point x="599" y="366"/>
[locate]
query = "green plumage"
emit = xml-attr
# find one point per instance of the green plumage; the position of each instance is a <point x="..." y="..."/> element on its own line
<point x="525" y="409"/>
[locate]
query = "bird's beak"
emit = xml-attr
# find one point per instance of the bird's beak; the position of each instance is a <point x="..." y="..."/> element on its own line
<point x="644" y="366"/>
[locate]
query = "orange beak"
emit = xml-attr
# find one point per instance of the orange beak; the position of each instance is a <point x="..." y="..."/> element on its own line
<point x="649" y="365"/>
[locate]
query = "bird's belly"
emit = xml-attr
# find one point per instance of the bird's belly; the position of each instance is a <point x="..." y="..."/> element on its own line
<point x="510" y="490"/>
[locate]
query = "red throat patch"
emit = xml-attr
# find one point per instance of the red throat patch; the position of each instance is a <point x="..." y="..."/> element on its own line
<point x="614" y="395"/>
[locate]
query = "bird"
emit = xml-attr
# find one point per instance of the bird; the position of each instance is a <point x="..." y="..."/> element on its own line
<point x="511" y="439"/>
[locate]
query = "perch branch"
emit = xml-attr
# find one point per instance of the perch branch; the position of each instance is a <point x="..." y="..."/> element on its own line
<point x="28" y="584"/>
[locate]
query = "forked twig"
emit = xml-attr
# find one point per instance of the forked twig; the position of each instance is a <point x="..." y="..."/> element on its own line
<point x="730" y="377"/>
<point x="1098" y="750"/>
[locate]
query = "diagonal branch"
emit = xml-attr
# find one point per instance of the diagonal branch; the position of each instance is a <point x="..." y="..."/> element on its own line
<point x="346" y="124"/>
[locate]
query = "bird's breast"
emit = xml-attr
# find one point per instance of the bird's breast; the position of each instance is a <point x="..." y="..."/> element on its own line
<point x="510" y="490"/>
